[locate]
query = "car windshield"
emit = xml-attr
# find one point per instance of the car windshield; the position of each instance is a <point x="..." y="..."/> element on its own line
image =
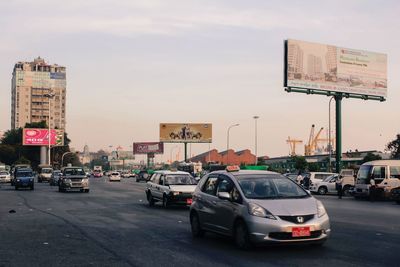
<point x="46" y="170"/>
<point x="180" y="179"/>
<point x="24" y="174"/>
<point x="270" y="187"/>
<point x="364" y="174"/>
<point x="115" y="173"/>
<point x="75" y="171"/>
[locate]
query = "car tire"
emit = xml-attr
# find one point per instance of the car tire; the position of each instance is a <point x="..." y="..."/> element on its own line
<point x="195" y="226"/>
<point x="165" y="202"/>
<point x="16" y="187"/>
<point x="398" y="202"/>
<point x="150" y="199"/>
<point x="32" y="187"/>
<point x="241" y="236"/>
<point x="86" y="191"/>
<point x="322" y="190"/>
<point x="137" y="180"/>
<point x="60" y="189"/>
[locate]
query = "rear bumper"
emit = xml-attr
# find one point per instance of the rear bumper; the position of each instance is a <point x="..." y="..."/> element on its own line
<point x="181" y="199"/>
<point x="23" y="184"/>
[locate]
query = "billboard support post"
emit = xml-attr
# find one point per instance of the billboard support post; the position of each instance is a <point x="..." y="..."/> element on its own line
<point x="338" y="99"/>
<point x="185" y="151"/>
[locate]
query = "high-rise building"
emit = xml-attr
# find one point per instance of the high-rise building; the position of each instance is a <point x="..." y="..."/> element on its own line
<point x="331" y="59"/>
<point x="295" y="60"/>
<point x="31" y="82"/>
<point x="314" y="66"/>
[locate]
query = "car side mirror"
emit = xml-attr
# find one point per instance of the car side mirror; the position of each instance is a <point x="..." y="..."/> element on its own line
<point x="355" y="175"/>
<point x="224" y="195"/>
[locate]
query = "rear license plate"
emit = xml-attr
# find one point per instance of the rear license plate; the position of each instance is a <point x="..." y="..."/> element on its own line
<point x="300" y="231"/>
<point x="189" y="201"/>
<point x="24" y="184"/>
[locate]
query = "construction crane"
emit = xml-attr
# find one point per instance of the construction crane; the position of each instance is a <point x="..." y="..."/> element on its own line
<point x="311" y="147"/>
<point x="292" y="144"/>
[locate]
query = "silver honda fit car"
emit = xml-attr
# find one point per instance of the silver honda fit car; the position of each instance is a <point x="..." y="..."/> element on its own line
<point x="257" y="207"/>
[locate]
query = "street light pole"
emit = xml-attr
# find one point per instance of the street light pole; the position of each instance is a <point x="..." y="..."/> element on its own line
<point x="227" y="142"/>
<point x="62" y="157"/>
<point x="329" y="136"/>
<point x="255" y="130"/>
<point x="49" y="96"/>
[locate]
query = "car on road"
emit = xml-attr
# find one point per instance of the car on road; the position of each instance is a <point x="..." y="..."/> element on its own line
<point x="55" y="176"/>
<point x="328" y="185"/>
<point x="385" y="175"/>
<point x="115" y="176"/>
<point x="256" y="207"/>
<point x="45" y="174"/>
<point x="318" y="176"/>
<point x="73" y="178"/>
<point x="5" y="177"/>
<point x="170" y="188"/>
<point x="24" y="178"/>
<point x="142" y="175"/>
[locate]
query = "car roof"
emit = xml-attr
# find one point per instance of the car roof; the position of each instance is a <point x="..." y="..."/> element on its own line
<point x="244" y="172"/>
<point x="24" y="170"/>
<point x="383" y="162"/>
<point x="171" y="172"/>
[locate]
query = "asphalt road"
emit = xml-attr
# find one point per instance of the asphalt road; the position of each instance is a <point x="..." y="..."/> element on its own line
<point x="113" y="226"/>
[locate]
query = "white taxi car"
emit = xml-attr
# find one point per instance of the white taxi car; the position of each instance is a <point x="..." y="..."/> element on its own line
<point x="115" y="176"/>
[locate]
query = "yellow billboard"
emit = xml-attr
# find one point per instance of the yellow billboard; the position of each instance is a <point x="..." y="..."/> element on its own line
<point x="186" y="132"/>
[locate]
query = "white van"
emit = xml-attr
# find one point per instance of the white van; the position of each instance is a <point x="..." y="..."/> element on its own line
<point x="385" y="173"/>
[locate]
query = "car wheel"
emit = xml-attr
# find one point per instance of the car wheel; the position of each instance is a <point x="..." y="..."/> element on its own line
<point x="150" y="199"/>
<point x="137" y="180"/>
<point x="16" y="187"/>
<point x="195" y="226"/>
<point x="165" y="202"/>
<point x="322" y="190"/>
<point x="241" y="236"/>
<point x="60" y="189"/>
<point x="398" y="202"/>
<point x="32" y="187"/>
<point x="86" y="190"/>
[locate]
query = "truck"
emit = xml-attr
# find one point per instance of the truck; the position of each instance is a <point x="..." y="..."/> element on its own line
<point x="97" y="171"/>
<point x="45" y="172"/>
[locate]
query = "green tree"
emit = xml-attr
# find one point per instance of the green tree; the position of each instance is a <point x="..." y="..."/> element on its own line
<point x="313" y="167"/>
<point x="7" y="154"/>
<point x="370" y="157"/>
<point x="300" y="163"/>
<point x="394" y="147"/>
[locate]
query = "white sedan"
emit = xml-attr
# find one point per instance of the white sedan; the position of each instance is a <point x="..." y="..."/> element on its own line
<point x="115" y="176"/>
<point x="5" y="177"/>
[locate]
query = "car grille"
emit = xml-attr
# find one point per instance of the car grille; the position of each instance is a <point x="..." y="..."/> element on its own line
<point x="294" y="219"/>
<point x="288" y="236"/>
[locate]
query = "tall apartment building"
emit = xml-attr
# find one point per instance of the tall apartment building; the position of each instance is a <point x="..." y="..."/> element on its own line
<point x="31" y="81"/>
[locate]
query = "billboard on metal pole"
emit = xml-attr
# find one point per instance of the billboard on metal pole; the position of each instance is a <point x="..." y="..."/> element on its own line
<point x="186" y="132"/>
<point x="148" y="148"/>
<point x="335" y="69"/>
<point x="40" y="137"/>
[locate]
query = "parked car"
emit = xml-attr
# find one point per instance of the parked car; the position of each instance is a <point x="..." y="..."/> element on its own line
<point x="257" y="207"/>
<point x="73" y="178"/>
<point x="328" y="185"/>
<point x="55" y="176"/>
<point x="318" y="176"/>
<point x="5" y="177"/>
<point x="115" y="176"/>
<point x="170" y="187"/>
<point x="24" y="179"/>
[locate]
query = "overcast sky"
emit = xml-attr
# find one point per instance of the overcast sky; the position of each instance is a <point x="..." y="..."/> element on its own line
<point x="133" y="64"/>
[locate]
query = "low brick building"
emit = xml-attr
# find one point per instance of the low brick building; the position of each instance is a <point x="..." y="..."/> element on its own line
<point x="244" y="157"/>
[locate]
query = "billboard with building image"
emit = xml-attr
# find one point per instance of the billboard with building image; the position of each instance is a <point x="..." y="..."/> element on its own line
<point x="336" y="69"/>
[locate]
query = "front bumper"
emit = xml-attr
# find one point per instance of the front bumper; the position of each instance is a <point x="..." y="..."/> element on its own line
<point x="263" y="230"/>
<point x="22" y="183"/>
<point x="74" y="186"/>
<point x="5" y="179"/>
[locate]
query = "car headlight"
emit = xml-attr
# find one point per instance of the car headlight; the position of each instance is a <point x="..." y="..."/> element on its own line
<point x="259" y="211"/>
<point x="18" y="180"/>
<point x="31" y="179"/>
<point x="66" y="180"/>
<point x="320" y="209"/>
<point x="175" y="193"/>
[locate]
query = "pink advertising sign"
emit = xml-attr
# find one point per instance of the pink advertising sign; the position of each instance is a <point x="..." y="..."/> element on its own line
<point x="38" y="137"/>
